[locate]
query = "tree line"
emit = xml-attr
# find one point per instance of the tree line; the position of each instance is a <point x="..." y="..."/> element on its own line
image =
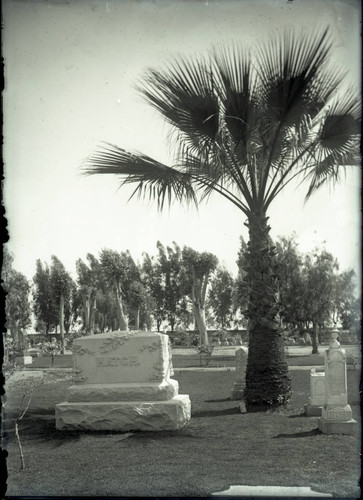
<point x="177" y="289"/>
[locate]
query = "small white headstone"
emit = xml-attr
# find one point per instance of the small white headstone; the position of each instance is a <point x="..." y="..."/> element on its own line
<point x="317" y="393"/>
<point x="240" y="380"/>
<point x="28" y="360"/>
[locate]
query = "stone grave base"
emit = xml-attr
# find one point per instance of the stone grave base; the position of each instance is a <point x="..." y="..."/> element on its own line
<point x="147" y="391"/>
<point x="313" y="410"/>
<point x="237" y="391"/>
<point x="342" y="427"/>
<point x="124" y="415"/>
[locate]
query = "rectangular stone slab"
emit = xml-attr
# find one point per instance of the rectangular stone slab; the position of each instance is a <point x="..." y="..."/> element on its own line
<point x="124" y="416"/>
<point x="147" y="391"/>
<point x="121" y="357"/>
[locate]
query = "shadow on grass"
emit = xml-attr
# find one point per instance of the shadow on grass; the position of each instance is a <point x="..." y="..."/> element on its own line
<point x="216" y="413"/>
<point x="313" y="432"/>
<point x="217" y="400"/>
<point x="39" y="425"/>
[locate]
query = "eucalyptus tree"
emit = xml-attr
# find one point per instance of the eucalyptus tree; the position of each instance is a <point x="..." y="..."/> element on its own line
<point x="291" y="283"/>
<point x="17" y="305"/>
<point x="247" y="123"/>
<point x="220" y="296"/>
<point x="44" y="306"/>
<point x="153" y="281"/>
<point x="199" y="266"/>
<point x="319" y="273"/>
<point x="115" y="268"/>
<point x="61" y="285"/>
<point x="170" y="266"/>
<point x="87" y="290"/>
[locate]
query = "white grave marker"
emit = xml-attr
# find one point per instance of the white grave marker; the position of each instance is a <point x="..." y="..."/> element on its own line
<point x="317" y="393"/>
<point x="336" y="413"/>
<point x="240" y="381"/>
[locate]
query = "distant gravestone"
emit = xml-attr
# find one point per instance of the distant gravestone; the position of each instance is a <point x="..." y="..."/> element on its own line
<point x="240" y="380"/>
<point x="344" y="337"/>
<point x="336" y="413"/>
<point x="122" y="382"/>
<point x="307" y="338"/>
<point x="317" y="393"/>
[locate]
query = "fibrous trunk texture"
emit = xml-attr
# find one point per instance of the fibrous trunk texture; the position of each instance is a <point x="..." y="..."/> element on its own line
<point x="268" y="383"/>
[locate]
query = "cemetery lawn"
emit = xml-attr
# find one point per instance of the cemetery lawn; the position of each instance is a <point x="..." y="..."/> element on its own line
<point x="220" y="447"/>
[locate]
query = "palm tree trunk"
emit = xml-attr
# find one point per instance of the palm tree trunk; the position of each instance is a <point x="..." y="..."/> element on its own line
<point x="268" y="383"/>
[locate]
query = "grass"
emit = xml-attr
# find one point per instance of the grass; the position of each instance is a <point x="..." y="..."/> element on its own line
<point x="218" y="448"/>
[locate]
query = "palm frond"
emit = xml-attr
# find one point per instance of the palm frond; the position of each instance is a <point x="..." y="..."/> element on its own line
<point x="233" y="67"/>
<point x="290" y="74"/>
<point x="215" y="177"/>
<point x="341" y="125"/>
<point x="183" y="94"/>
<point x="329" y="169"/>
<point x="154" y="180"/>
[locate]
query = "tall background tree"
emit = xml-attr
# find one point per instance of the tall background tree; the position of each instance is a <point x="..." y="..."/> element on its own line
<point x="199" y="266"/>
<point x="44" y="306"/>
<point x="87" y="290"/>
<point x="246" y="123"/>
<point x="61" y="287"/>
<point x="220" y="297"/>
<point x="114" y="266"/>
<point x="320" y="268"/>
<point x="17" y="305"/>
<point x="291" y="287"/>
<point x="170" y="267"/>
<point x="152" y="279"/>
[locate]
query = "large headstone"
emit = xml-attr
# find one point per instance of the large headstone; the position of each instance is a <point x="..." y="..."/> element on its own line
<point x="122" y="382"/>
<point x="317" y="393"/>
<point x="240" y="380"/>
<point x="336" y="413"/>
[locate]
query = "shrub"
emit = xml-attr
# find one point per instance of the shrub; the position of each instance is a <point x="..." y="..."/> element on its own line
<point x="51" y="349"/>
<point x="205" y="352"/>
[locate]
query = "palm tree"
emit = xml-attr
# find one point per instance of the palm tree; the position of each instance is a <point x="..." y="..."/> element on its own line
<point x="244" y="124"/>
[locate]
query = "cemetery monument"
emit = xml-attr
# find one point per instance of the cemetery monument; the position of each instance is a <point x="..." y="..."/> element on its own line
<point x="336" y="413"/>
<point x="122" y="383"/>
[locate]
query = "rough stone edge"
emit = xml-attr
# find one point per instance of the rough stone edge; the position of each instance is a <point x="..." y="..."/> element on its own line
<point x="330" y="427"/>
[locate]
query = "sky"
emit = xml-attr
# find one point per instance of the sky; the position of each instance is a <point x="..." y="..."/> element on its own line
<point x="70" y="72"/>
